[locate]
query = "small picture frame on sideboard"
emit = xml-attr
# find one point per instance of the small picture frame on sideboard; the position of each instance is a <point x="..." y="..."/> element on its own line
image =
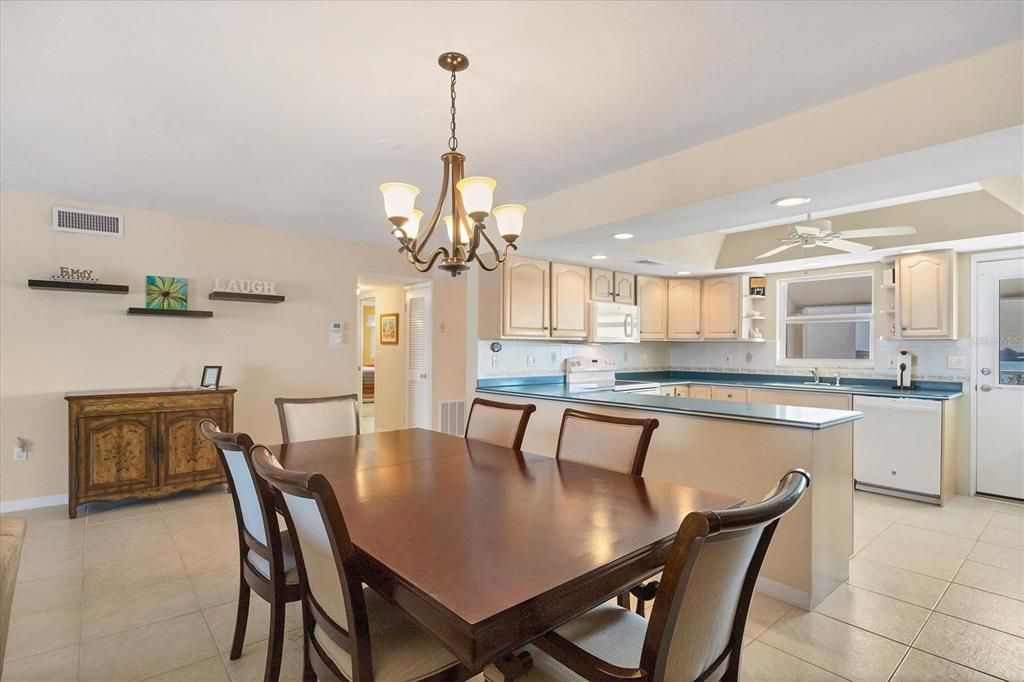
<point x="211" y="377"/>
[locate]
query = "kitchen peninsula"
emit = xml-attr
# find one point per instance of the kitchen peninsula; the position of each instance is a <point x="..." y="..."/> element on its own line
<point x="738" y="449"/>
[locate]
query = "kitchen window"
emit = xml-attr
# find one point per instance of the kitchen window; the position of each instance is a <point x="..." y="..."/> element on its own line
<point x="826" y="320"/>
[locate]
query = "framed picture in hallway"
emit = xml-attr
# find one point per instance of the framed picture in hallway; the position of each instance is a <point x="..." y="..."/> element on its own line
<point x="388" y="325"/>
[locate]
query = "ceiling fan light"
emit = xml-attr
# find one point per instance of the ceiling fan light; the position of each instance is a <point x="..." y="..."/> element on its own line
<point x="510" y="220"/>
<point x="477" y="195"/>
<point x="399" y="201"/>
<point x="786" y="202"/>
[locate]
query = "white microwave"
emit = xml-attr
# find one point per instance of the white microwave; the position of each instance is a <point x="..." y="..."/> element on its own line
<point x="614" y="323"/>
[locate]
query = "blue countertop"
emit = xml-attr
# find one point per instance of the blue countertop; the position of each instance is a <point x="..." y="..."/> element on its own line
<point x="778" y="415"/>
<point x="926" y="390"/>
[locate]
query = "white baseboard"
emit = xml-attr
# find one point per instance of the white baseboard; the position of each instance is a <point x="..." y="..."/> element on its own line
<point x="783" y="593"/>
<point x="32" y="503"/>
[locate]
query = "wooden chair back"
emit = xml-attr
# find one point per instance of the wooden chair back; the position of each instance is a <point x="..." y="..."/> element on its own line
<point x="255" y="511"/>
<point x="696" y="625"/>
<point x="323" y="548"/>
<point x="498" y="423"/>
<point x="614" y="443"/>
<point x="317" y="418"/>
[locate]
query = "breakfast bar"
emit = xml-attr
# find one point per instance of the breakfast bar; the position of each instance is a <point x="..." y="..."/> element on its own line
<point x="734" y="449"/>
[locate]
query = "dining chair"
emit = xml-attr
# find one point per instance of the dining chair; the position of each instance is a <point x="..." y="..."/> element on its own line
<point x="498" y="423"/>
<point x="599" y="440"/>
<point x="266" y="558"/>
<point x="351" y="633"/>
<point x="317" y="418"/>
<point x="696" y="626"/>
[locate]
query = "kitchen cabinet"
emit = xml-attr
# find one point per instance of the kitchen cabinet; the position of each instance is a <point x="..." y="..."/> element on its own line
<point x="142" y="444"/>
<point x="612" y="287"/>
<point x="720" y="307"/>
<point x="684" y="304"/>
<point x="667" y="390"/>
<point x="569" y="310"/>
<point x="625" y="288"/>
<point x="652" y="300"/>
<point x="926" y="286"/>
<point x="602" y="285"/>
<point x="730" y="393"/>
<point x="530" y="298"/>
<point x="700" y="392"/>
<point x="682" y="391"/>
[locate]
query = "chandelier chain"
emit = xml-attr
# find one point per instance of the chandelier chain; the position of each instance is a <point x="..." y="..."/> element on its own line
<point x="453" y="142"/>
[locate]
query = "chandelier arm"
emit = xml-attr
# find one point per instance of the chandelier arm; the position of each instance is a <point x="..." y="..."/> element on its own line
<point x="494" y="249"/>
<point x="437" y="210"/>
<point x="425" y="265"/>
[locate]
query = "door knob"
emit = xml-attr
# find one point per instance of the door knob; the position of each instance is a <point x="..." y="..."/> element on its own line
<point x="986" y="371"/>
<point x="985" y="388"/>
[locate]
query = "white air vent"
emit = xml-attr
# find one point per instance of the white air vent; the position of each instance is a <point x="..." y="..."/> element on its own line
<point x="87" y="222"/>
<point x="451" y="417"/>
<point x="648" y="261"/>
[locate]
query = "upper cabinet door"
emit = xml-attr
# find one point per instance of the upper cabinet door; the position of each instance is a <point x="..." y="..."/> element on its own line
<point x="720" y="308"/>
<point x="569" y="309"/>
<point x="525" y="304"/>
<point x="684" y="309"/>
<point x="652" y="299"/>
<point x="926" y="295"/>
<point x="602" y="285"/>
<point x="625" y="288"/>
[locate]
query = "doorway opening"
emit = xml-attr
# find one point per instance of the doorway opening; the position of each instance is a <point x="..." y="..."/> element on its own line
<point x="394" y="353"/>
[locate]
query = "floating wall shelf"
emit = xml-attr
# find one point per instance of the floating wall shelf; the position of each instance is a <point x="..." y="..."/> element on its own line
<point x="248" y="298"/>
<point x="170" y="313"/>
<point x="95" y="287"/>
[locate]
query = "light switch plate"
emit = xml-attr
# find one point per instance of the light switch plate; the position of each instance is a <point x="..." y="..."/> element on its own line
<point x="955" y="362"/>
<point x="531" y="360"/>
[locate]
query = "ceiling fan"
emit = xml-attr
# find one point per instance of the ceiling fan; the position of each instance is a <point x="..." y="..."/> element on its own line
<point x="819" y="233"/>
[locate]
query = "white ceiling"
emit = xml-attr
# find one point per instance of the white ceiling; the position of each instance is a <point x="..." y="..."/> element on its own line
<point x="274" y="113"/>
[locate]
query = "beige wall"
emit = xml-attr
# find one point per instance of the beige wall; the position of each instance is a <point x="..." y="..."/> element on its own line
<point x="389" y="390"/>
<point x="369" y="335"/>
<point x="53" y="342"/>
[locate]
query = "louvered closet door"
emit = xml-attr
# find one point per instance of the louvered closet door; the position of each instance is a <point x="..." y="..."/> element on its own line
<point x="418" y="326"/>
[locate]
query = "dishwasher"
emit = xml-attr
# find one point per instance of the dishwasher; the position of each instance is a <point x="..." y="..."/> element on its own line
<point x="897" y="446"/>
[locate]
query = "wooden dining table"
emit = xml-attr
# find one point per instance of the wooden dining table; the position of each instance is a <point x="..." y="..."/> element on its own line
<point x="489" y="547"/>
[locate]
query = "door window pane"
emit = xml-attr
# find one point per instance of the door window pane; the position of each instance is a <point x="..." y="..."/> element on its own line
<point x="1011" y="331"/>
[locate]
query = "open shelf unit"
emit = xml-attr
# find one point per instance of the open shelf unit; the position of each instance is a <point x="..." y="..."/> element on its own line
<point x="94" y="287"/>
<point x="170" y="313"/>
<point x="750" y="312"/>
<point x="247" y="298"/>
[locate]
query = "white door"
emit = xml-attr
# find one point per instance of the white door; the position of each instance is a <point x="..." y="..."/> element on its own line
<point x="418" y="393"/>
<point x="999" y="377"/>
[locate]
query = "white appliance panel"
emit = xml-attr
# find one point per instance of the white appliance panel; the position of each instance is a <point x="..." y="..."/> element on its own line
<point x="898" y="444"/>
<point x="614" y="323"/>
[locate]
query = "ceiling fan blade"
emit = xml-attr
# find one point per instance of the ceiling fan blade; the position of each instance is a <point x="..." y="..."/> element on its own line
<point x="849" y="247"/>
<point x="777" y="250"/>
<point x="879" y="232"/>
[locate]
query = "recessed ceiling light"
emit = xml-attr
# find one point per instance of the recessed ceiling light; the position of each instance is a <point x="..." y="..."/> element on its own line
<point x="623" y="235"/>
<point x="911" y="250"/>
<point x="598" y="257"/>
<point x="791" y="201"/>
<point x="683" y="272"/>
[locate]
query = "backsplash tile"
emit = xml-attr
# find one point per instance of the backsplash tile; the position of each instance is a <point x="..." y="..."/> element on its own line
<point x="536" y="358"/>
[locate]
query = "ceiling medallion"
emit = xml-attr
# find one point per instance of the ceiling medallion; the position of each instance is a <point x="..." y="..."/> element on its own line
<point x="470" y="202"/>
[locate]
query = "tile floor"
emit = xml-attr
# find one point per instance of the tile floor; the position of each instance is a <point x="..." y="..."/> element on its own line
<point x="148" y="591"/>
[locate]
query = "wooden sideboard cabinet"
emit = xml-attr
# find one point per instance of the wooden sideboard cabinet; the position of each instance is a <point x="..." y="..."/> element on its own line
<point x="142" y="443"/>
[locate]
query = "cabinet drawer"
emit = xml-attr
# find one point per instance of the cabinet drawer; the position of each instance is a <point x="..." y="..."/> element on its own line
<point x="700" y="392"/>
<point x="100" y="406"/>
<point x="736" y="395"/>
<point x="682" y="392"/>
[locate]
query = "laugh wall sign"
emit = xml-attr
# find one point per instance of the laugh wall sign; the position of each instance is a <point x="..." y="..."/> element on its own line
<point x="245" y="286"/>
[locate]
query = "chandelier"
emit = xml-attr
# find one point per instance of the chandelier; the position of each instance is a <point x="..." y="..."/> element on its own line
<point x="469" y="200"/>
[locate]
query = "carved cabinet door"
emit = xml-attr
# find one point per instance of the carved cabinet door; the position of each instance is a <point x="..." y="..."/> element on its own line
<point x="185" y="455"/>
<point x="117" y="453"/>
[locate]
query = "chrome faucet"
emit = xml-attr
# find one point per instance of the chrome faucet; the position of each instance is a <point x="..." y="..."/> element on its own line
<point x="814" y="373"/>
<point x="837" y="378"/>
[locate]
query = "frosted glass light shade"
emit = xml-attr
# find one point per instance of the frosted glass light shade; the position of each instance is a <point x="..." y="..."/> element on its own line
<point x="399" y="199"/>
<point x="463" y="233"/>
<point x="412" y="228"/>
<point x="477" y="195"/>
<point x="510" y="220"/>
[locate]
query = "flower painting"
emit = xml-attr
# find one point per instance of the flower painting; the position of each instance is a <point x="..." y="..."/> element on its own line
<point x="166" y="293"/>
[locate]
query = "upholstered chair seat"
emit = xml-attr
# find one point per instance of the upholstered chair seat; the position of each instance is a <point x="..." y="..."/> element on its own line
<point x="497" y="423"/>
<point x="401" y="650"/>
<point x="291" y="572"/>
<point x="318" y="418"/>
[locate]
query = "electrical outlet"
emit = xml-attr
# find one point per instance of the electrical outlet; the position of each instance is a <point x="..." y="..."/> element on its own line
<point x="625" y="357"/>
<point x="893" y="362"/>
<point x="20" y="454"/>
<point x="956" y="362"/>
<point x="495" y="360"/>
<point x="728" y="360"/>
<point x="554" y="358"/>
<point x="531" y="360"/>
